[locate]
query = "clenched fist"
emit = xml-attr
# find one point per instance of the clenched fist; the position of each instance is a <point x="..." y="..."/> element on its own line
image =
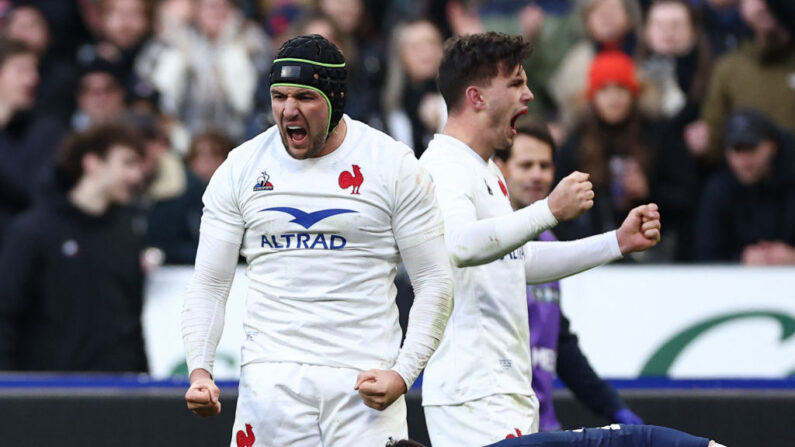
<point x="572" y="197"/>
<point x="202" y="396"/>
<point x="378" y="388"/>
<point x="640" y="230"/>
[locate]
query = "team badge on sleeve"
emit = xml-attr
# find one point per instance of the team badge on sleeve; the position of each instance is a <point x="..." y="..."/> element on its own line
<point x="262" y="183"/>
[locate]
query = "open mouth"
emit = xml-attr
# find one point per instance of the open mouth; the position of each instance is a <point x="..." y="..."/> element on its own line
<point x="515" y="118"/>
<point x="296" y="134"/>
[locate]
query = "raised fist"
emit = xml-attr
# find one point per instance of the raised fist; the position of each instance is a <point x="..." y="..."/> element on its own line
<point x="640" y="230"/>
<point x="572" y="197"/>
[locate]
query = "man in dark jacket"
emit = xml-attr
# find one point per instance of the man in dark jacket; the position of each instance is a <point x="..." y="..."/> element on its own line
<point x="27" y="141"/>
<point x="72" y="285"/>
<point x="747" y="211"/>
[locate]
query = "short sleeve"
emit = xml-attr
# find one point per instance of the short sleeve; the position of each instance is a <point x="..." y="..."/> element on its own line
<point x="416" y="218"/>
<point x="221" y="217"/>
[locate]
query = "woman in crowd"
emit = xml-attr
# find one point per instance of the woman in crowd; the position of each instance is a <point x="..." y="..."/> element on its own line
<point x="618" y="146"/>
<point x="609" y="25"/>
<point x="413" y="107"/>
<point x="207" y="72"/>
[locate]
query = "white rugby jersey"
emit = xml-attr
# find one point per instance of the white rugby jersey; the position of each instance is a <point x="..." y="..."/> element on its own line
<point x="485" y="349"/>
<point x="321" y="239"/>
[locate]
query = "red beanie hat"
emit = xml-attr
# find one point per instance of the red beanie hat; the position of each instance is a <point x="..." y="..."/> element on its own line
<point x="612" y="67"/>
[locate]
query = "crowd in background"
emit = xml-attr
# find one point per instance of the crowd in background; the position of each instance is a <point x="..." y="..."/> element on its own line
<point x="638" y="93"/>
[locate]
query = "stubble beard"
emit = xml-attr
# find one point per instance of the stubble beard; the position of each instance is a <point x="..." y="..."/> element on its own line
<point x="314" y="149"/>
<point x="501" y="141"/>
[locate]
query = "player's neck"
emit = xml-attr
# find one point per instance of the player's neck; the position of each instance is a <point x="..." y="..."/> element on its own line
<point x="336" y="138"/>
<point x="461" y="128"/>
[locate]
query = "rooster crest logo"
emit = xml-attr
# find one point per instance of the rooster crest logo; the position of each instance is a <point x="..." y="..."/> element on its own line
<point x="262" y="183"/>
<point x="245" y="439"/>
<point x="347" y="179"/>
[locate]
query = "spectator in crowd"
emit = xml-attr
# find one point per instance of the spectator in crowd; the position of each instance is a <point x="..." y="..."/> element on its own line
<point x="553" y="28"/>
<point x="759" y="75"/>
<point x="124" y="26"/>
<point x="619" y="147"/>
<point x="72" y="289"/>
<point x="100" y="95"/>
<point x="207" y="72"/>
<point x="364" y="56"/>
<point x="723" y="25"/>
<point x="747" y="212"/>
<point x="57" y="77"/>
<point x="67" y="24"/>
<point x="171" y="196"/>
<point x="27" y="140"/>
<point x="529" y="170"/>
<point x="675" y="58"/>
<point x="28" y="25"/>
<point x="609" y="25"/>
<point x="414" y="108"/>
<point x="462" y="17"/>
<point x="207" y="151"/>
<point x="171" y="15"/>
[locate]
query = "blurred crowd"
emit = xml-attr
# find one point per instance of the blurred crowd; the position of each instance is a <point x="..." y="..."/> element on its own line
<point x="687" y="103"/>
<point x="114" y="114"/>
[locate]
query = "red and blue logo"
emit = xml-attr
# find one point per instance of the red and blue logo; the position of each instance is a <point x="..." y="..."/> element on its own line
<point x="262" y="183"/>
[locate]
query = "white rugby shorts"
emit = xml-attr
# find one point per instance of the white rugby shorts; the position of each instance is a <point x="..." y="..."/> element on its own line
<point x="482" y="421"/>
<point x="298" y="405"/>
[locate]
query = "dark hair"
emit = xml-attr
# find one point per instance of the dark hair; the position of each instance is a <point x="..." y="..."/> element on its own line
<point x="476" y="59"/>
<point x="592" y="153"/>
<point x="220" y="143"/>
<point x="97" y="140"/>
<point x="10" y="48"/>
<point x="534" y="129"/>
<point x="104" y="66"/>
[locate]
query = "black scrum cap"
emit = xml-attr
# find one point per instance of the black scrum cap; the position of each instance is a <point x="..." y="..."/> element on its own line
<point x="315" y="63"/>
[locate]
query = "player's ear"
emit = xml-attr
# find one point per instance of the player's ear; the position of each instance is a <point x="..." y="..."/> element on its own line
<point x="475" y="97"/>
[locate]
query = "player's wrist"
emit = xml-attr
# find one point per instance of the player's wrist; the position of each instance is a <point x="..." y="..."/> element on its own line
<point x="200" y="374"/>
<point x="402" y="381"/>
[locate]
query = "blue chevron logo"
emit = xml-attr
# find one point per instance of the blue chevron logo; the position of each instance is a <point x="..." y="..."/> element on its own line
<point x="305" y="219"/>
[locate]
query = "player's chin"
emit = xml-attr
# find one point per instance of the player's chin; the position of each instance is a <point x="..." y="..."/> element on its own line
<point x="299" y="152"/>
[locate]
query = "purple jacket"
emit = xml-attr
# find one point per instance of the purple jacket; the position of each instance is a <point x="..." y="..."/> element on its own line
<point x="543" y="309"/>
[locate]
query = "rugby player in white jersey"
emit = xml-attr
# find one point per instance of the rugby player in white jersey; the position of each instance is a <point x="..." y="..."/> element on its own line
<point x="323" y="208"/>
<point x="477" y="385"/>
